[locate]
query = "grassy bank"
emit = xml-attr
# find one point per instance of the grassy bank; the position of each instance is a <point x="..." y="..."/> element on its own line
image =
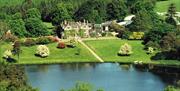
<point x="162" y="6"/>
<point x="66" y="55"/>
<point x="108" y="49"/>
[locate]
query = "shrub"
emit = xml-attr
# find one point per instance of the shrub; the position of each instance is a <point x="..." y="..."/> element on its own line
<point x="125" y="50"/>
<point x="150" y="50"/>
<point x="42" y="51"/>
<point x="29" y="42"/>
<point x="71" y="43"/>
<point x="7" y="54"/>
<point x="53" y="39"/>
<point x="154" y="45"/>
<point x="170" y="88"/>
<point x="178" y="83"/>
<point x="9" y="37"/>
<point x="61" y="45"/>
<point x="136" y="36"/>
<point x="43" y="40"/>
<point x="126" y="35"/>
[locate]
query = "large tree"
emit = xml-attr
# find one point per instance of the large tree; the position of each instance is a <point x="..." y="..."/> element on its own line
<point x="171" y="15"/>
<point x="116" y="10"/>
<point x="60" y="14"/>
<point x="35" y="27"/>
<point x="17" y="25"/>
<point x="92" y="10"/>
<point x="34" y="24"/>
<point x="142" y="22"/>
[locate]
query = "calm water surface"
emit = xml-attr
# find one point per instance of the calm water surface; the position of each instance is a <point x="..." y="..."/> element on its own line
<point x="109" y="76"/>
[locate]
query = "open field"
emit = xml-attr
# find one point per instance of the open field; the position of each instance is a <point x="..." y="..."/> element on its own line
<point x="66" y="55"/>
<point x="108" y="49"/>
<point x="162" y="6"/>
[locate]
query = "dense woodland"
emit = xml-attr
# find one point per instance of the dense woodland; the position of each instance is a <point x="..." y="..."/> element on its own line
<point x="13" y="78"/>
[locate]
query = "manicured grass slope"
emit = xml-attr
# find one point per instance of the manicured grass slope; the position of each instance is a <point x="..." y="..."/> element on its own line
<point x="162" y="6"/>
<point x="56" y="55"/>
<point x="108" y="49"/>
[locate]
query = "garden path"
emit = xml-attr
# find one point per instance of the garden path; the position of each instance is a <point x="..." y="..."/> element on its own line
<point x="93" y="53"/>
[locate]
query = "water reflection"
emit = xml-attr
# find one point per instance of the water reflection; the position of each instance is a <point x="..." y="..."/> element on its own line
<point x="77" y="66"/>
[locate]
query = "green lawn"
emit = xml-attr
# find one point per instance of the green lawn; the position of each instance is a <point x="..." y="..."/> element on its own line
<point x="162" y="6"/>
<point x="56" y="55"/>
<point x="108" y="49"/>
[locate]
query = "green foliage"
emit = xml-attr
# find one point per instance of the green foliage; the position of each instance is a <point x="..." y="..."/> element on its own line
<point x="170" y="88"/>
<point x="116" y="10"/>
<point x="92" y="10"/>
<point x="117" y="28"/>
<point x="82" y="87"/>
<point x="171" y="10"/>
<point x="35" y="27"/>
<point x="17" y="25"/>
<point x="3" y="29"/>
<point x="12" y="78"/>
<point x="33" y="13"/>
<point x="60" y="14"/>
<point x="138" y="5"/>
<point x="171" y="14"/>
<point x="168" y="41"/>
<point x="142" y="22"/>
<point x="156" y="34"/>
<point x="137" y="35"/>
<point x="43" y="40"/>
<point x="154" y="45"/>
<point x="29" y="42"/>
<point x="34" y="24"/>
<point x="170" y="20"/>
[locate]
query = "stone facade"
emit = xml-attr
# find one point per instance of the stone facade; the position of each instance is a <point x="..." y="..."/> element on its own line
<point x="77" y="26"/>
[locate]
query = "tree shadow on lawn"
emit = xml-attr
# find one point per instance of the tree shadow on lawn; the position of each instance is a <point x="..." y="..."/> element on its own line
<point x="10" y="60"/>
<point x="37" y="55"/>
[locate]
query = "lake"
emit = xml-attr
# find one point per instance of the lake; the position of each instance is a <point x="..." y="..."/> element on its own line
<point x="109" y="76"/>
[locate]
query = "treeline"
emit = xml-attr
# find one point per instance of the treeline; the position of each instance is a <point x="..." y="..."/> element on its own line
<point x="96" y="11"/>
<point x="25" y="19"/>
